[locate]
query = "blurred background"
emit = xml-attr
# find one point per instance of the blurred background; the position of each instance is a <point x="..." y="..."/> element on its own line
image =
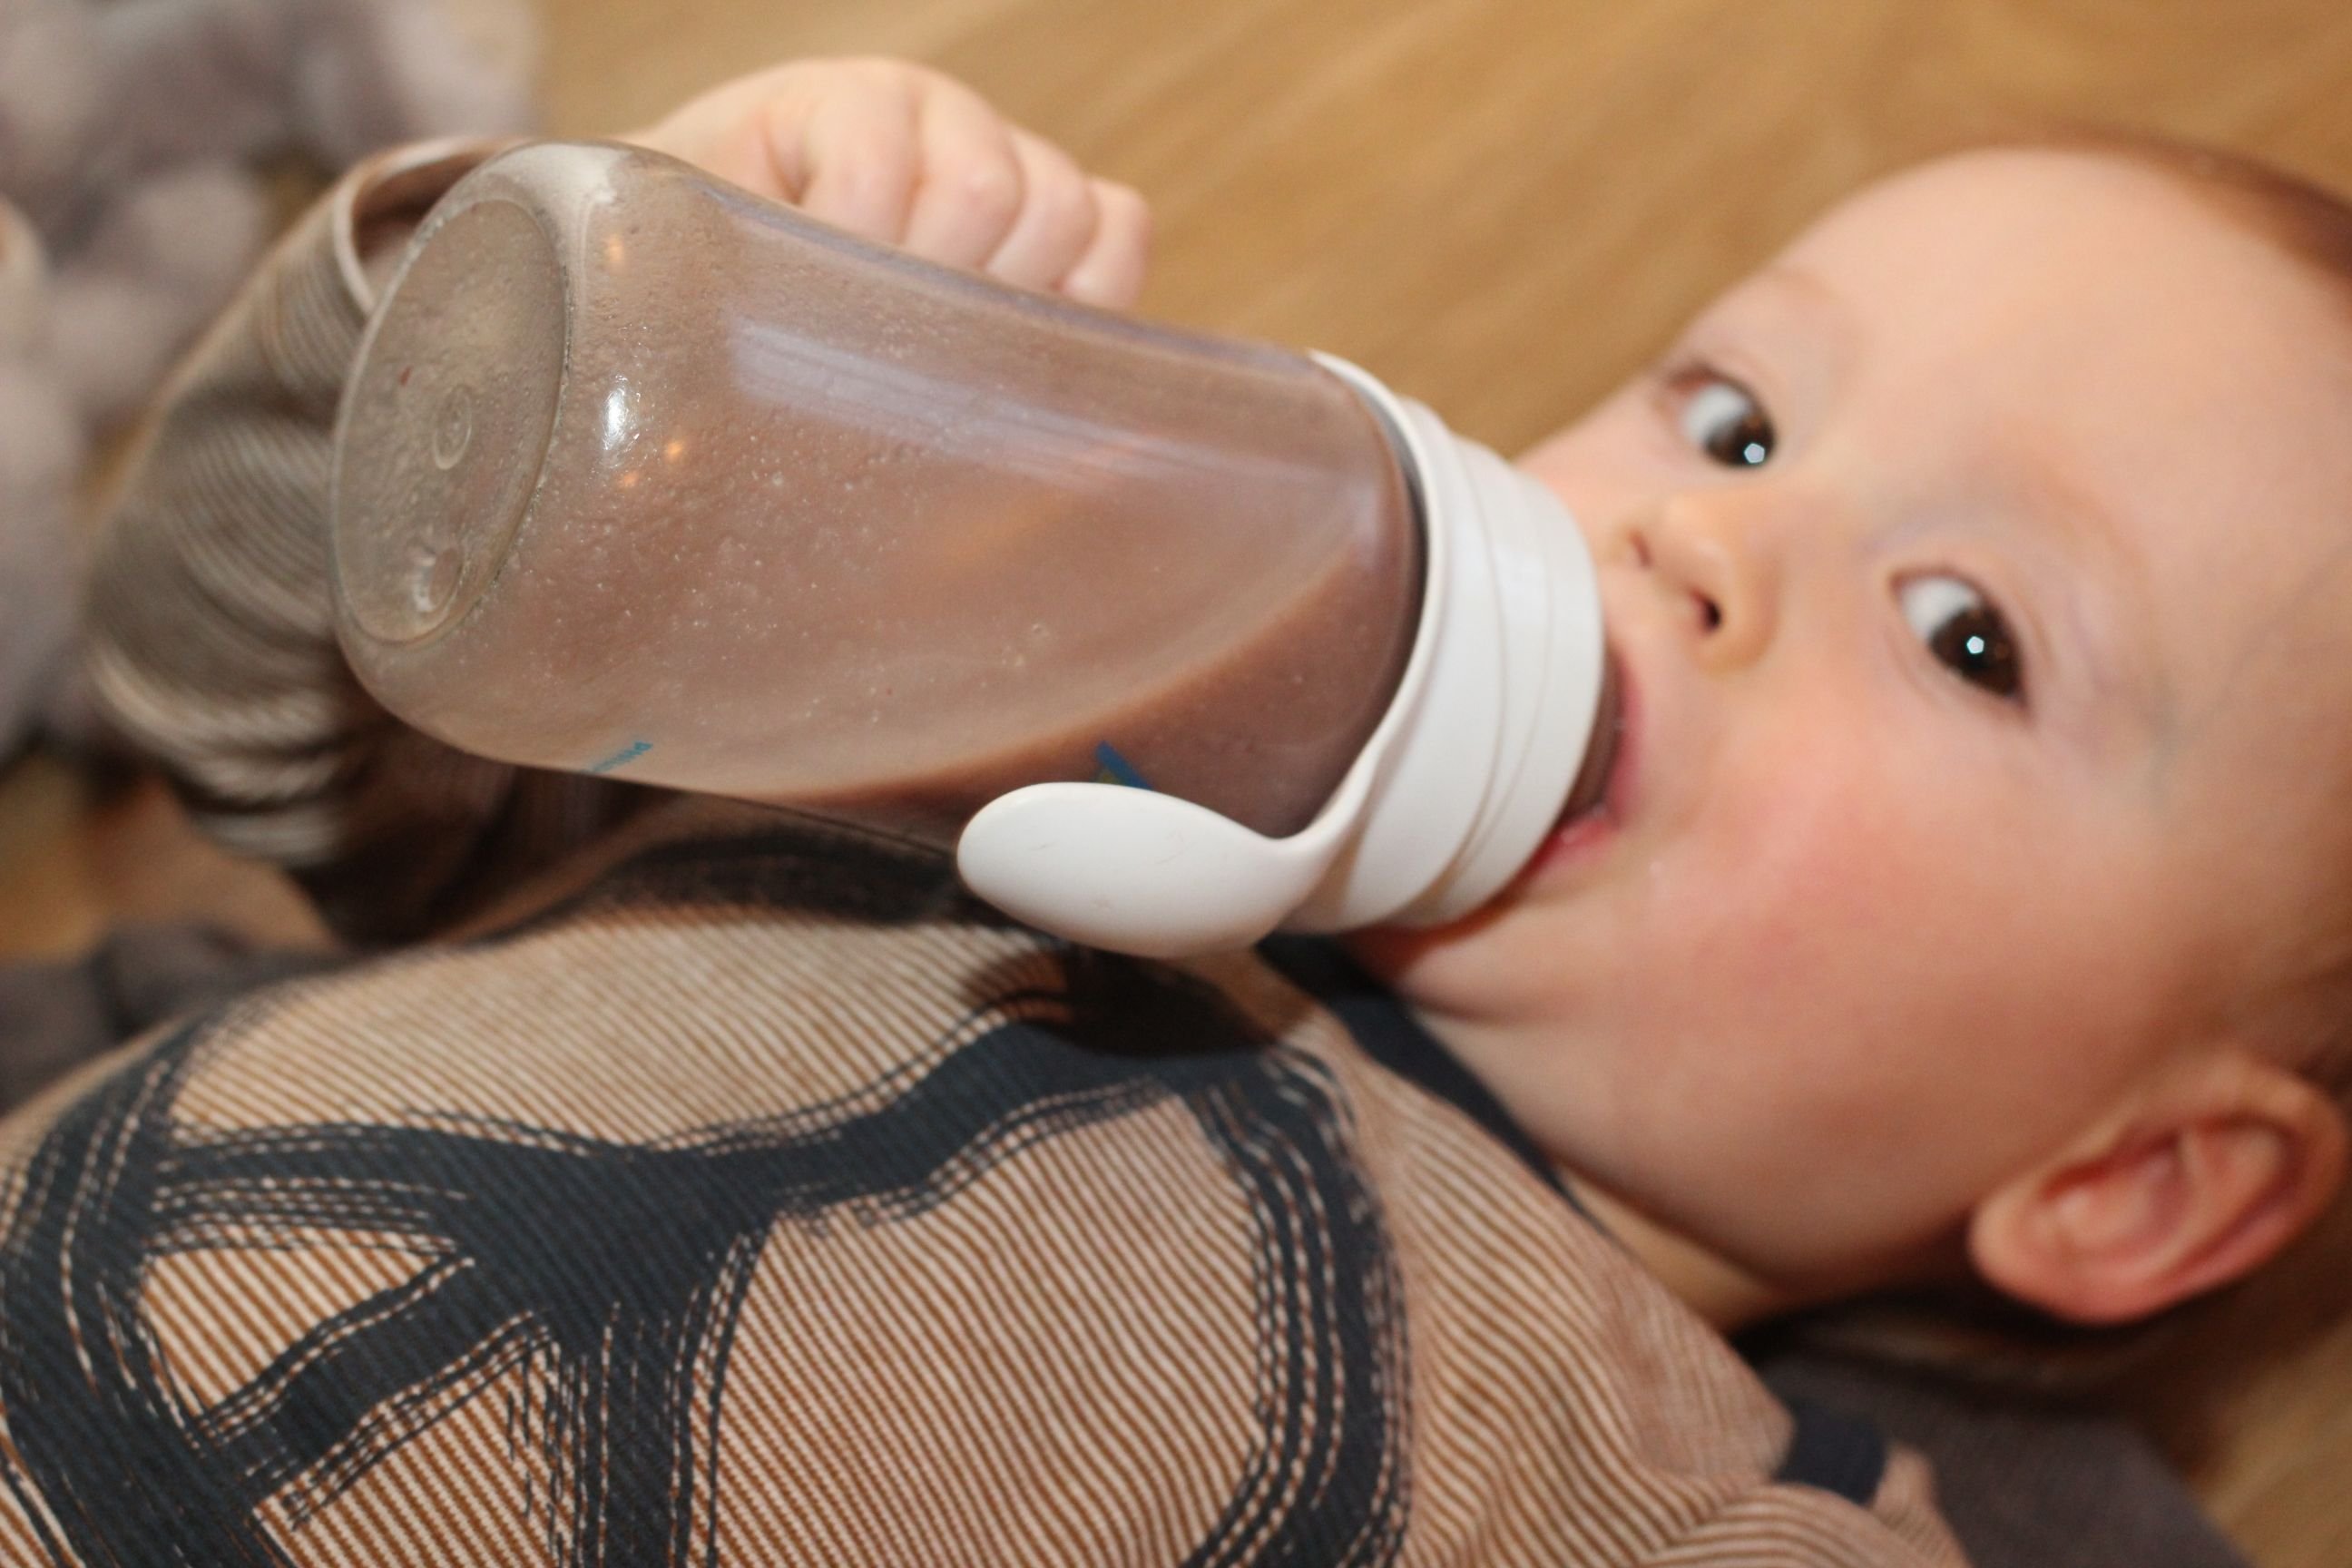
<point x="1498" y="206"/>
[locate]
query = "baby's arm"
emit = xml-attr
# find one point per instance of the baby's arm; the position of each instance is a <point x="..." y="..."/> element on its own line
<point x="212" y="639"/>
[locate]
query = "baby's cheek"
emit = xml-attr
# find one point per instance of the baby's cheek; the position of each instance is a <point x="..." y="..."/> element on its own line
<point x="1893" y="945"/>
<point x="1818" y="919"/>
<point x="1797" y="866"/>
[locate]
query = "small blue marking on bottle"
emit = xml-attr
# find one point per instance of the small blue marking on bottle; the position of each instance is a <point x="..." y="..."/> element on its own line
<point x="1112" y="768"/>
<point x="627" y="753"/>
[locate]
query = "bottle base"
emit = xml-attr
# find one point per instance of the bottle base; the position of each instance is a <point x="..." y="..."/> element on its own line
<point x="443" y="432"/>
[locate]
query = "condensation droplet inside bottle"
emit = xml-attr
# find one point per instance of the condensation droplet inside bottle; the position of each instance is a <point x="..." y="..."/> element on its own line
<point x="453" y="430"/>
<point x="432" y="576"/>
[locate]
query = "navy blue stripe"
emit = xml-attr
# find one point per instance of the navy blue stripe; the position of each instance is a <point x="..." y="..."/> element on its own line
<point x="1833" y="1452"/>
<point x="1393" y="1036"/>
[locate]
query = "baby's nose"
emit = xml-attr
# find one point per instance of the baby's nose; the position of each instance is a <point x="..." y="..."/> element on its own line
<point x="1699" y="554"/>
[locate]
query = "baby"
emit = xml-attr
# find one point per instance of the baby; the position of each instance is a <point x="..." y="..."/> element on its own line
<point x="1963" y="902"/>
<point x="1972" y="892"/>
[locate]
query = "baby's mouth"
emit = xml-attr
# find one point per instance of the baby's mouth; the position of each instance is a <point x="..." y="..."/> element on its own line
<point x="1590" y="790"/>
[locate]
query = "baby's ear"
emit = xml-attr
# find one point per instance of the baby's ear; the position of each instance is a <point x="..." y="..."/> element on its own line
<point x="2198" y="1179"/>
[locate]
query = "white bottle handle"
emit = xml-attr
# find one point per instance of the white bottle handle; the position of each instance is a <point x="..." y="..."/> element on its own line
<point x="1134" y="872"/>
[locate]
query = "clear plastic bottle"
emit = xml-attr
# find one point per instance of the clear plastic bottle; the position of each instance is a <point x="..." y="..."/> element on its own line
<point x="639" y="474"/>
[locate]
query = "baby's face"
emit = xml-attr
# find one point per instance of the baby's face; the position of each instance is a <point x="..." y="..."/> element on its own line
<point x="1978" y="572"/>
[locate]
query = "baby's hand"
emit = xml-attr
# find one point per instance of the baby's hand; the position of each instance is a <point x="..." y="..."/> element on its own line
<point x="899" y="154"/>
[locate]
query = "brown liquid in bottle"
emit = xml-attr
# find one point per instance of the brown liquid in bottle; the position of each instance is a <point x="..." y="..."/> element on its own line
<point x="641" y="474"/>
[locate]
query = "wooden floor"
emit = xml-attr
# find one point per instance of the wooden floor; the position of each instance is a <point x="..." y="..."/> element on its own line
<point x="1499" y="206"/>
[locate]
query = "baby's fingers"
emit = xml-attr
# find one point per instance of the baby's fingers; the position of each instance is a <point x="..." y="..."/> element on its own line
<point x="1057" y="218"/>
<point x="901" y="154"/>
<point x="853" y="159"/>
<point x="972" y="184"/>
<point x="1110" y="272"/>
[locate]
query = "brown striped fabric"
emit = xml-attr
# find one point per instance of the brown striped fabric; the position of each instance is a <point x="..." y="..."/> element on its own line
<point x="697" y="1186"/>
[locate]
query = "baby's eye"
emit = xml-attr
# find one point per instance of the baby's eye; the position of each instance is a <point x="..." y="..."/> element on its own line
<point x="1723" y="419"/>
<point x="1964" y="632"/>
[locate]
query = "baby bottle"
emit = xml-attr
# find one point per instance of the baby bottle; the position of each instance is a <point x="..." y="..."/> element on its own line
<point x="1173" y="639"/>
